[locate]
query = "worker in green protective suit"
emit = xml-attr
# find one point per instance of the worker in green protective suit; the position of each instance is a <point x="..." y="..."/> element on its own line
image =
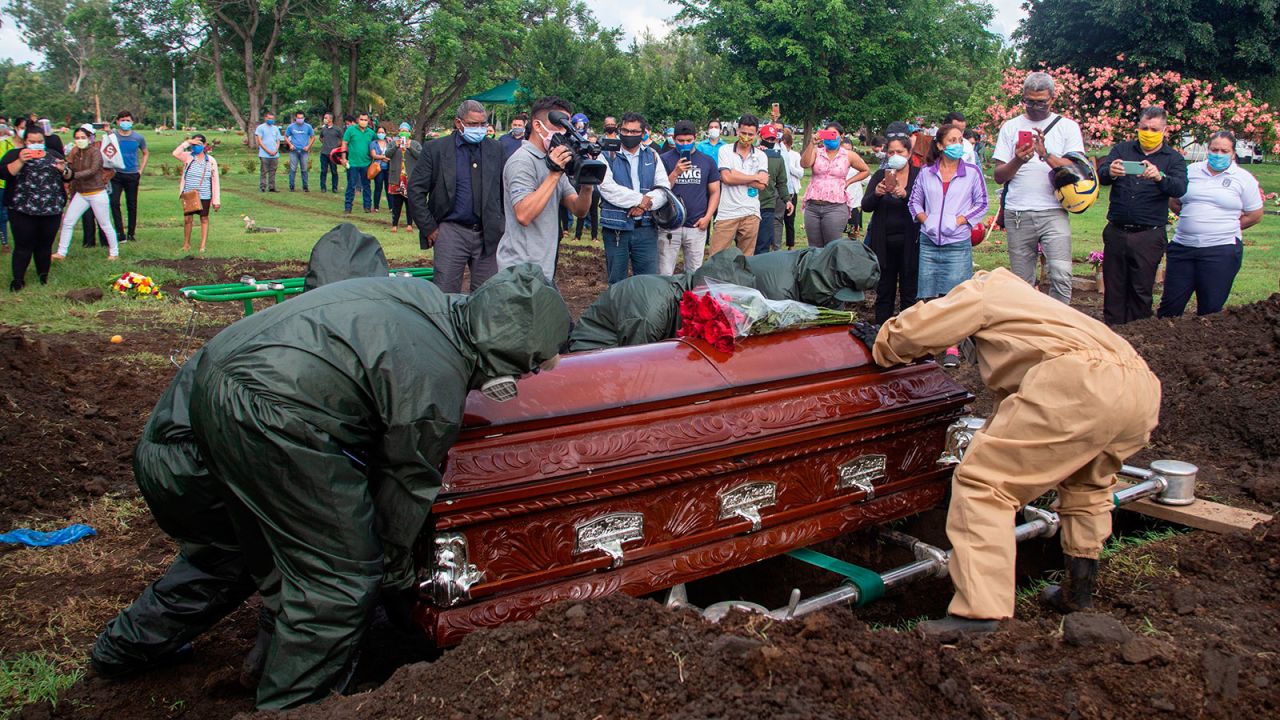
<point x="323" y="422"/>
<point x="646" y="308"/>
<point x="827" y="276"/>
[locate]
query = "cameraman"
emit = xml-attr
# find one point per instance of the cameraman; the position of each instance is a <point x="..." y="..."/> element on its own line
<point x="627" y="195"/>
<point x="534" y="194"/>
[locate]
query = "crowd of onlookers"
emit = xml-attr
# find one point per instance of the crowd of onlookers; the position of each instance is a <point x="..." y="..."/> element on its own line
<point x="485" y="201"/>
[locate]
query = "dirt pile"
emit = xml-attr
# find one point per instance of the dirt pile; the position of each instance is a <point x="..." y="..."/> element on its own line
<point x="1221" y="380"/>
<point x="69" y="417"/>
<point x="619" y="658"/>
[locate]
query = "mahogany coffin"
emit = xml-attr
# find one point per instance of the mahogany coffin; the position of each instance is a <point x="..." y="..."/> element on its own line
<point x="634" y="469"/>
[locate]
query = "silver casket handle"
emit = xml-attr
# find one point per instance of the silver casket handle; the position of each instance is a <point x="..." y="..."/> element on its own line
<point x="607" y="534"/>
<point x="747" y="500"/>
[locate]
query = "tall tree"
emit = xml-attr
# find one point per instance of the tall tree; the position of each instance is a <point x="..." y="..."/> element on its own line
<point x="1215" y="39"/>
<point x="70" y="33"/>
<point x="246" y="34"/>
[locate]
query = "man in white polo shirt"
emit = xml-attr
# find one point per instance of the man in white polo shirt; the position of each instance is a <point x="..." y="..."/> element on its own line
<point x="1028" y="147"/>
<point x="744" y="172"/>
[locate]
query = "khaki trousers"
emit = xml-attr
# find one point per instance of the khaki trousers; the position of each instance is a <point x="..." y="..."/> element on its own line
<point x="1071" y="425"/>
<point x="738" y="231"/>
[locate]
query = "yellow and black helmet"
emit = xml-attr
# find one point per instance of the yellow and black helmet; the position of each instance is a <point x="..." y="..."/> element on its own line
<point x="1075" y="185"/>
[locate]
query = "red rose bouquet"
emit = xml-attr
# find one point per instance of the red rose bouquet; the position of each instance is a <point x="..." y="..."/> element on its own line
<point x="721" y="314"/>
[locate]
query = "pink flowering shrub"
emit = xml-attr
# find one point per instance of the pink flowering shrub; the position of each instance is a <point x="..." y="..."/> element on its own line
<point x="1106" y="101"/>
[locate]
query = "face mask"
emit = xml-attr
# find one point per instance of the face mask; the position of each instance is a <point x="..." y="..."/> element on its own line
<point x="631" y="142"/>
<point x="270" y="121"/>
<point x="363" y="124"/>
<point x="1036" y="110"/>
<point x="35" y="146"/>
<point x="300" y="122"/>
<point x="1149" y="140"/>
<point x="405" y="133"/>
<point x="197" y="149"/>
<point x="517" y="132"/>
<point x="82" y="143"/>
<point x="473" y="135"/>
<point x="684" y="148"/>
<point x="382" y="136"/>
<point x="500" y="389"/>
<point x="895" y="162"/>
<point x="955" y="151"/>
<point x="126" y="125"/>
<point x="1219" y="161"/>
<point x="768" y="143"/>
<point x="610" y="129"/>
<point x="548" y="137"/>
<point x="747" y="143"/>
<point x="714" y="133"/>
<point x="831" y="144"/>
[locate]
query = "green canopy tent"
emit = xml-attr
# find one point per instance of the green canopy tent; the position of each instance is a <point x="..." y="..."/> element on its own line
<point x="504" y="94"/>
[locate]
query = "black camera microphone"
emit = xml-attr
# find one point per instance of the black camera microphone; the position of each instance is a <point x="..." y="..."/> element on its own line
<point x="584" y="168"/>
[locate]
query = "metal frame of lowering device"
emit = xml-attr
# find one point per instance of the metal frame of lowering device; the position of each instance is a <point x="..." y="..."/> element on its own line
<point x="249" y="289"/>
<point x="1169" y="482"/>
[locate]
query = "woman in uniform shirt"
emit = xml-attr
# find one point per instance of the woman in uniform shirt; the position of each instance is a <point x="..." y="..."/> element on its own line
<point x="1222" y="200"/>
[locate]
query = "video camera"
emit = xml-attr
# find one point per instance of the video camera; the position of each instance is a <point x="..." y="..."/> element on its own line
<point x="583" y="168"/>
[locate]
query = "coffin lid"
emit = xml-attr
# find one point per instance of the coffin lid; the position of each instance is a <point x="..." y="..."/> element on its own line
<point x="617" y="378"/>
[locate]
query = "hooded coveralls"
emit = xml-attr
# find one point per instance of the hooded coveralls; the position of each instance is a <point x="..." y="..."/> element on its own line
<point x="1073" y="401"/>
<point x="826" y="276"/>
<point x="283" y="402"/>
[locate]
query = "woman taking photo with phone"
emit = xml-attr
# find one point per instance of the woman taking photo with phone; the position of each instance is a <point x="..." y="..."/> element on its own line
<point x="825" y="203"/>
<point x="949" y="198"/>
<point x="893" y="233"/>
<point x="34" y="195"/>
<point x="89" y="192"/>
<point x="199" y="182"/>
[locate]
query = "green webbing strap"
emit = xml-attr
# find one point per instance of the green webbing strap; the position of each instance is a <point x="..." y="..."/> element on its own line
<point x="870" y="586"/>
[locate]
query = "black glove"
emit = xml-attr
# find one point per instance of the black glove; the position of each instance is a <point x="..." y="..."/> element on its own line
<point x="866" y="332"/>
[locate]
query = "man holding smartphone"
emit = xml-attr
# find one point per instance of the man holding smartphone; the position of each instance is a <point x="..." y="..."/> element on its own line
<point x="1030" y="145"/>
<point x="1144" y="173"/>
<point x="695" y="179"/>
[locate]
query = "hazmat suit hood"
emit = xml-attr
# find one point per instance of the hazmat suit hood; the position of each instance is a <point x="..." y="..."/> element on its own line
<point x="727" y="266"/>
<point x="344" y="253"/>
<point x="837" y="273"/>
<point x="515" y="322"/>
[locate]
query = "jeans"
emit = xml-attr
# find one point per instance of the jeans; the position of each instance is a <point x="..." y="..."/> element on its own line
<point x="299" y="160"/>
<point x="379" y="187"/>
<point x="357" y="176"/>
<point x="399" y="206"/>
<point x="328" y="168"/>
<point x="1129" y="267"/>
<point x="638" y="247"/>
<point x="1051" y="230"/>
<point x="1208" y="272"/>
<point x="764" y="236"/>
<point x="98" y="203"/>
<point x="125" y="184"/>
<point x="824" y="222"/>
<point x="33" y="237"/>
<point x="267" y="173"/>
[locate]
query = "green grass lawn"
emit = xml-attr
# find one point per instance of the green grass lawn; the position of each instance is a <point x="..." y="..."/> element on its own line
<point x="304" y="217"/>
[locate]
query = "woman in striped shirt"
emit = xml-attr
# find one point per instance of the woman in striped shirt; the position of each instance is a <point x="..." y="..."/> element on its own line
<point x="199" y="173"/>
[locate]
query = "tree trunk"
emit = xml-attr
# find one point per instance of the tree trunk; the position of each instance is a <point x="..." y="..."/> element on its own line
<point x="335" y="71"/>
<point x="434" y="103"/>
<point x="220" y="82"/>
<point x="353" y="76"/>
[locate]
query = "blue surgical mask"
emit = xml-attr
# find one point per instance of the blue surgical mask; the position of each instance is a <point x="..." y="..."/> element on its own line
<point x="474" y="135"/>
<point x="1219" y="161"/>
<point x="271" y="121"/>
<point x="955" y="151"/>
<point x="300" y="122"/>
<point x="382" y="136"/>
<point x="197" y="149"/>
<point x="125" y="125"/>
<point x="684" y="148"/>
<point x="831" y="144"/>
<point x="895" y="162"/>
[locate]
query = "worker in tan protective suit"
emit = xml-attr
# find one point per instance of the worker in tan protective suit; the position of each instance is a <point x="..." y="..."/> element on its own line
<point x="1073" y="401"/>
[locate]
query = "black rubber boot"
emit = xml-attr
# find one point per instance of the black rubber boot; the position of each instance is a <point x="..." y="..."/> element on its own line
<point x="115" y="671"/>
<point x="952" y="627"/>
<point x="256" y="660"/>
<point x="1076" y="591"/>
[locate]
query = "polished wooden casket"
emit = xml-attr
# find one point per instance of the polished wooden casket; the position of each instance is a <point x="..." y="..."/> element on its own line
<point x="635" y="469"/>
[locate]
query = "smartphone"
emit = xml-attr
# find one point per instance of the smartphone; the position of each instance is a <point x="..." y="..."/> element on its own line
<point x="828" y="135"/>
<point x="775" y="107"/>
<point x="37" y="154"/>
<point x="610" y="144"/>
<point x="685" y="154"/>
<point x="1133" y="167"/>
<point x="1024" y="138"/>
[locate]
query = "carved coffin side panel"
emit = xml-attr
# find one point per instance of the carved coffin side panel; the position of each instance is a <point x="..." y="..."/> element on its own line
<point x="529" y="457"/>
<point x="511" y="551"/>
<point x="448" y="627"/>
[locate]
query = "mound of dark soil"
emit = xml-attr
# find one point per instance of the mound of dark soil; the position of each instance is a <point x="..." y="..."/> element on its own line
<point x="1221" y="380"/>
<point x="69" y="416"/>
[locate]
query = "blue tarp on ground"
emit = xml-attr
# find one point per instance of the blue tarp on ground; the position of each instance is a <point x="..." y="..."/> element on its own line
<point x="35" y="538"/>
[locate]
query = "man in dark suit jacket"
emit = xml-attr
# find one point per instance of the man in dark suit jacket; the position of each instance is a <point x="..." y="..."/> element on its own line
<point x="455" y="199"/>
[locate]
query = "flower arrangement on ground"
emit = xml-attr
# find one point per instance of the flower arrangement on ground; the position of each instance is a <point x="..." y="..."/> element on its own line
<point x="134" y="284"/>
<point x="722" y="314"/>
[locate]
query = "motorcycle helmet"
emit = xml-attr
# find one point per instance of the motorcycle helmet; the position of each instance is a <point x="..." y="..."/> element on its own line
<point x="1075" y="185"/>
<point x="671" y="215"/>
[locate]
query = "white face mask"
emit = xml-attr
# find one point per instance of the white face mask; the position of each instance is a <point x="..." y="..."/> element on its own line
<point x="895" y="162"/>
<point x="82" y="143"/>
<point x="714" y="133"/>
